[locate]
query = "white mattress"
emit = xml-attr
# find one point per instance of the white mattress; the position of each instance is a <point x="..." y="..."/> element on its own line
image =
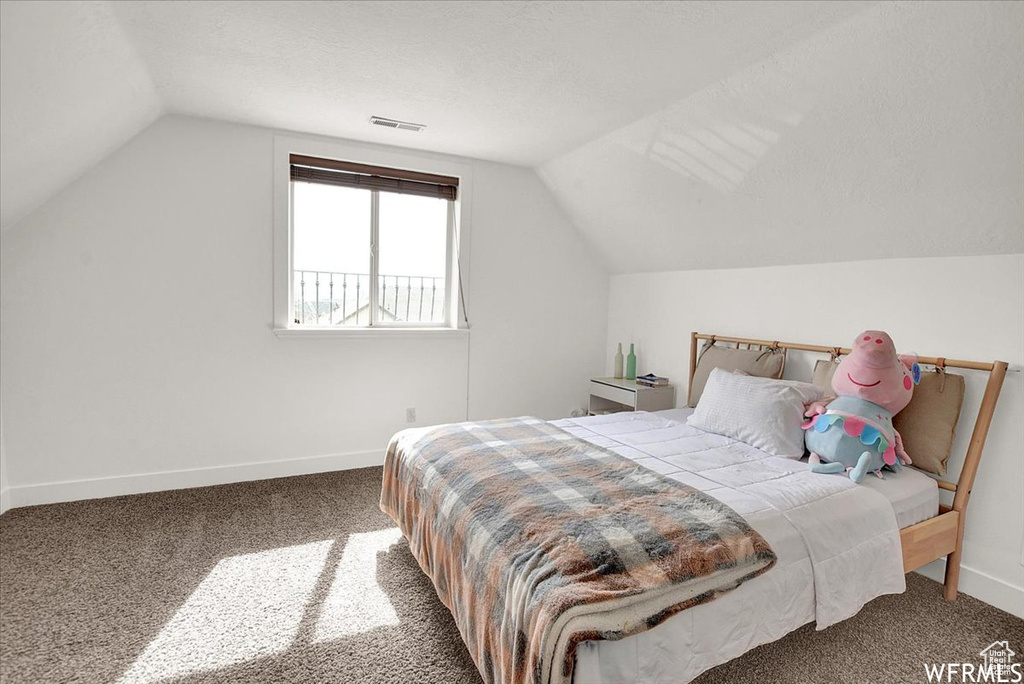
<point x="813" y="522"/>
<point x="914" y="496"/>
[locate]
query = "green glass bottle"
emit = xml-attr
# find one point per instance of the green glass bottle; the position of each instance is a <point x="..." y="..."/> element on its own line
<point x="631" y="364"/>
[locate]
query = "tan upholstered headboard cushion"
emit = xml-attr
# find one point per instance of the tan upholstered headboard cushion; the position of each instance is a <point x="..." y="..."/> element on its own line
<point x="822" y="377"/>
<point x="766" y="363"/>
<point x="928" y="423"/>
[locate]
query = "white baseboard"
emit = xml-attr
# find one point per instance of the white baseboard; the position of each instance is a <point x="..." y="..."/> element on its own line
<point x="5" y="500"/>
<point x="984" y="587"/>
<point x="98" y="488"/>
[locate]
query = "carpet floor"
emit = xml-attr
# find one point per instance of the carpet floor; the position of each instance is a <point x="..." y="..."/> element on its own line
<point x="303" y="579"/>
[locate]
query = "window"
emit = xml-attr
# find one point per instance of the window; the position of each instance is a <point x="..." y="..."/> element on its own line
<point x="370" y="246"/>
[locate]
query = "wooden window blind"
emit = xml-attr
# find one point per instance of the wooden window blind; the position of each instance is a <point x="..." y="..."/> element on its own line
<point x="367" y="177"/>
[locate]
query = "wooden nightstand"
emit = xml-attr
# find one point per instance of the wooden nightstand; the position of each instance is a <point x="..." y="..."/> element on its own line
<point x="611" y="395"/>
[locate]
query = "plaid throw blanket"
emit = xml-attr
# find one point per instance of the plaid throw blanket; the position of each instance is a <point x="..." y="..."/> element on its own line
<point x="536" y="541"/>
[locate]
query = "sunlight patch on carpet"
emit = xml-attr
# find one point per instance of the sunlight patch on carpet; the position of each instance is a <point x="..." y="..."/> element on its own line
<point x="249" y="606"/>
<point x="356" y="603"/>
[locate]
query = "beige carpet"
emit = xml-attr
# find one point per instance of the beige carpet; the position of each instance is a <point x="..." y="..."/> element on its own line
<point x="302" y="580"/>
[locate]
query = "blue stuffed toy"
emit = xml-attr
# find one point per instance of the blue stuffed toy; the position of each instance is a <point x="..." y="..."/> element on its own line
<point x="854" y="432"/>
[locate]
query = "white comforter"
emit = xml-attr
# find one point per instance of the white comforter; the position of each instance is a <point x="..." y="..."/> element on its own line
<point x="838" y="546"/>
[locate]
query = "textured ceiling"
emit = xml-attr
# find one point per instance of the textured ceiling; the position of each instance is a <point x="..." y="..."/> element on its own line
<point x="72" y="90"/>
<point x="515" y="82"/>
<point x="898" y="132"/>
<point x="674" y="134"/>
<point x="518" y="82"/>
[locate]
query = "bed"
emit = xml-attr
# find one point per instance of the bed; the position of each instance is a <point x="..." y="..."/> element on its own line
<point x="778" y="602"/>
<point x="834" y="545"/>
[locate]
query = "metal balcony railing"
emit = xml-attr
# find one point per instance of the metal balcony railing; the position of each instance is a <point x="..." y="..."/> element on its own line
<point x="325" y="298"/>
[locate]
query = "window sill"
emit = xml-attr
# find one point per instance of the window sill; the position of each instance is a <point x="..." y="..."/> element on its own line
<point x="370" y="333"/>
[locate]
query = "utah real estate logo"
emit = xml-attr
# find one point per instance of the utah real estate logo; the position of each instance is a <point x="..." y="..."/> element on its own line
<point x="997" y="665"/>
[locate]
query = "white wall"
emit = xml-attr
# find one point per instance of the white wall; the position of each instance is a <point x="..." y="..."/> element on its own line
<point x="533" y="341"/>
<point x="957" y="307"/>
<point x="5" y="501"/>
<point x="137" y="347"/>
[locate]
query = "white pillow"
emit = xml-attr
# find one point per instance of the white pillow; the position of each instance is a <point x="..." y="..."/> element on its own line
<point x="764" y="413"/>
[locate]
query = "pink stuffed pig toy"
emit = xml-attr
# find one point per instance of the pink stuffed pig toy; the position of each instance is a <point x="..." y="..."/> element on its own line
<point x="854" y="431"/>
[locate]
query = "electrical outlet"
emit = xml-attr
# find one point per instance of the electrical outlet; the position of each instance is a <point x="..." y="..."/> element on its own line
<point x="410" y="415"/>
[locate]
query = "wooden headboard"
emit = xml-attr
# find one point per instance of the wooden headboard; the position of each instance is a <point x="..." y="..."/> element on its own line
<point x="943" y="534"/>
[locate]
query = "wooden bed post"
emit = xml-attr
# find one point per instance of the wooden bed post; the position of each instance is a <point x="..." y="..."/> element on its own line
<point x="970" y="469"/>
<point x="693" y="366"/>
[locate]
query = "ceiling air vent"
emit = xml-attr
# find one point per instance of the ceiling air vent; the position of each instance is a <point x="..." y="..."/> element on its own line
<point x="400" y="125"/>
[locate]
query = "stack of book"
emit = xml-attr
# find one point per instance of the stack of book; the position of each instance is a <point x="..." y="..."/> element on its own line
<point x="651" y="380"/>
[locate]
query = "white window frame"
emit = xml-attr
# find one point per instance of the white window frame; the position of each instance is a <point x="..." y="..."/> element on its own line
<point x="458" y="237"/>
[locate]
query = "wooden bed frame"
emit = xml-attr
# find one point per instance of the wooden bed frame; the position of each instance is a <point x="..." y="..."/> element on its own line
<point x="942" y="535"/>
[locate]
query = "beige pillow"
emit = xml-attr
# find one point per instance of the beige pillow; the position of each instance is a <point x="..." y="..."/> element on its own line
<point x="928" y="423"/>
<point x="767" y="363"/>
<point x="822" y="377"/>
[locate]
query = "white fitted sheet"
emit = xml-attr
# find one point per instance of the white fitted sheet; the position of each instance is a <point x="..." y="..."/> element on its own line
<point x="787" y="505"/>
<point x="914" y="496"/>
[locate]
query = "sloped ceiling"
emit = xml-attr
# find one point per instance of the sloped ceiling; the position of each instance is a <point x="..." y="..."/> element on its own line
<point x="897" y="132"/>
<point x="72" y="90"/>
<point x="675" y="135"/>
<point x="515" y="82"/>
